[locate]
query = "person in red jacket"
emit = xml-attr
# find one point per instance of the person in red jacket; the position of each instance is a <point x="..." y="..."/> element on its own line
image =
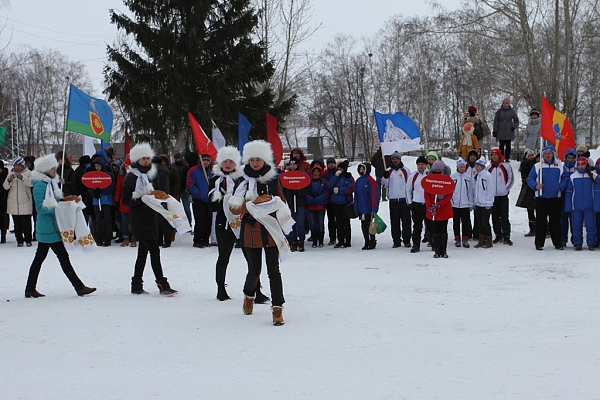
<point x="123" y="209"/>
<point x="439" y="211"/>
<point x="303" y="165"/>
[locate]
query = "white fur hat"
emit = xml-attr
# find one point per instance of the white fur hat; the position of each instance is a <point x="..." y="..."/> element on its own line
<point x="228" y="153"/>
<point x="45" y="164"/>
<point x="258" y="149"/>
<point x="140" y="150"/>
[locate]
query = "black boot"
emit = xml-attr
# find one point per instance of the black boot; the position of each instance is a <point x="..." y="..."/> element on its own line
<point x="321" y="238"/>
<point x="3" y="239"/>
<point x="416" y="244"/>
<point x="259" y="297"/>
<point x="443" y="245"/>
<point x="435" y="244"/>
<point x="301" y="246"/>
<point x="164" y="287"/>
<point x="137" y="286"/>
<point x="531" y="232"/>
<point x="222" y="293"/>
<point x="293" y="247"/>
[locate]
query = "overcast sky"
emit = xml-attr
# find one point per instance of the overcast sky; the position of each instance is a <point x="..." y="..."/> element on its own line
<point x="81" y="29"/>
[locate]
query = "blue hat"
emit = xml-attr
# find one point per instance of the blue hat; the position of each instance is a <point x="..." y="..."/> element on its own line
<point x="480" y="162"/>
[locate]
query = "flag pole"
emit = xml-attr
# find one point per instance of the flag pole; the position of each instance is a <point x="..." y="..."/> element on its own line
<point x="541" y="147"/>
<point x="62" y="172"/>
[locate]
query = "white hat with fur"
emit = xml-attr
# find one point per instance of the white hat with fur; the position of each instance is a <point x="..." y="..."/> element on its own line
<point x="41" y="167"/>
<point x="45" y="164"/>
<point x="228" y="153"/>
<point x="258" y="149"/>
<point x="140" y="150"/>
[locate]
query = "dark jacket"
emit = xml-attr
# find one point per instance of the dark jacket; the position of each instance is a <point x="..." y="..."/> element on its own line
<point x="506" y="121"/>
<point x="300" y="194"/>
<point x="182" y="170"/>
<point x="144" y="220"/>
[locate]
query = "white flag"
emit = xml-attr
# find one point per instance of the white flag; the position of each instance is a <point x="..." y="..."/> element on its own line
<point x="217" y="137"/>
<point x="88" y="146"/>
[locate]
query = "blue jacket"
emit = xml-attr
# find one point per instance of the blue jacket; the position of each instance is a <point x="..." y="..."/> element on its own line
<point x="568" y="169"/>
<point x="106" y="194"/>
<point x="46" y="227"/>
<point x="366" y="195"/>
<point x="197" y="184"/>
<point x="582" y="192"/>
<point x="551" y="178"/>
<point x="318" y="195"/>
<point x="345" y="185"/>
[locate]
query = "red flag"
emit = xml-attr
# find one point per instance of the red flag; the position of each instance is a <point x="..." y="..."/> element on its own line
<point x="556" y="129"/>
<point x="273" y="138"/>
<point x="203" y="143"/>
<point x="127" y="140"/>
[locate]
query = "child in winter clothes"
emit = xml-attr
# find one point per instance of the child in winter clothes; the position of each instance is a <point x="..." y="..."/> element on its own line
<point x="316" y="201"/>
<point x="566" y="221"/>
<point x="296" y="200"/>
<point x="366" y="202"/>
<point x="123" y="209"/>
<point x="415" y="198"/>
<point x="103" y="202"/>
<point x="330" y="208"/>
<point x="483" y="200"/>
<point x="462" y="202"/>
<point x="341" y="186"/>
<point x="439" y="211"/>
<point x="582" y="199"/>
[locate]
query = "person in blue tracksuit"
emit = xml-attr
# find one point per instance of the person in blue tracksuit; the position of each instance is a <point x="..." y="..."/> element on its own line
<point x="581" y="198"/>
<point x="103" y="203"/>
<point x="341" y="187"/>
<point x="366" y="202"/>
<point x="545" y="179"/>
<point x="316" y="202"/>
<point x="329" y="208"/>
<point x="197" y="184"/>
<point x="566" y="222"/>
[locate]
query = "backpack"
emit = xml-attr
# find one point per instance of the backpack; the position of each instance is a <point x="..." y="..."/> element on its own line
<point x="481" y="129"/>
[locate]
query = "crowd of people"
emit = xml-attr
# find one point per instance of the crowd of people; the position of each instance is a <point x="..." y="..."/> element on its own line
<point x="237" y="202"/>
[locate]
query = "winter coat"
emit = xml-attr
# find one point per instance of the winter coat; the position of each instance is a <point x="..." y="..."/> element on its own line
<point x="173" y="182"/>
<point x="68" y="188"/>
<point x="296" y="197"/>
<point x="377" y="163"/>
<point x="582" y="192"/>
<point x="484" y="192"/>
<point x="463" y="189"/>
<point x="551" y="178"/>
<point x="328" y="174"/>
<point x="414" y="190"/>
<point x="119" y="194"/>
<point x="525" y="168"/>
<point x="506" y="121"/>
<point x="501" y="177"/>
<point x="161" y="181"/>
<point x="144" y="220"/>
<point x="447" y="171"/>
<point x="46" y="227"/>
<point x="182" y="169"/>
<point x="19" y="199"/>
<point x="366" y="195"/>
<point x="531" y="137"/>
<point x="3" y="196"/>
<point x="216" y="195"/>
<point x="106" y="194"/>
<point x="396" y="181"/>
<point x="253" y="234"/>
<point x="463" y="149"/>
<point x="319" y="194"/>
<point x="345" y="185"/>
<point x="444" y="212"/>
<point x="303" y="165"/>
<point x="568" y="169"/>
<point x="197" y="184"/>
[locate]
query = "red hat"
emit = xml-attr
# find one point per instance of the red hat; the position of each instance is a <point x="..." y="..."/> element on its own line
<point x="582" y="160"/>
<point x="127" y="161"/>
<point x="472" y="108"/>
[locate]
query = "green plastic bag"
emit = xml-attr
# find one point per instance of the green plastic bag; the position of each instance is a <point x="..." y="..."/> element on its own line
<point x="381" y="226"/>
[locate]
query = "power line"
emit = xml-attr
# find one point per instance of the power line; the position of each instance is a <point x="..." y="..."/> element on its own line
<point x="54" y="31"/>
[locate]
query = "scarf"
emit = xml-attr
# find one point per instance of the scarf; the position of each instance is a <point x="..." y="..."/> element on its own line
<point x="53" y="193"/>
<point x="142" y="184"/>
<point x="467" y="140"/>
<point x="276" y="226"/>
<point x="247" y="188"/>
<point x="218" y="192"/>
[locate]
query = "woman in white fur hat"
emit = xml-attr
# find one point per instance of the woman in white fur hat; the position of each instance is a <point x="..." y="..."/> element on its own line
<point x="45" y="195"/>
<point x="259" y="183"/>
<point x="144" y="221"/>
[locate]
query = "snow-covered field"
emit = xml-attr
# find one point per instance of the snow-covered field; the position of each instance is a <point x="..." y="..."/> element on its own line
<point x="503" y="323"/>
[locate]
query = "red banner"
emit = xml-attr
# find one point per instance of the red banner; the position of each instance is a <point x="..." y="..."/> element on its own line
<point x="438" y="184"/>
<point x="294" y="180"/>
<point x="96" y="180"/>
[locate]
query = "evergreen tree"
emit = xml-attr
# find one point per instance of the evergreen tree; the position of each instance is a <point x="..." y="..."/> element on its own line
<point x="189" y="55"/>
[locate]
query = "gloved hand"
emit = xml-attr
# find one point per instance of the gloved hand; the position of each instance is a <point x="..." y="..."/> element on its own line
<point x="338" y="172"/>
<point x="97" y="193"/>
<point x="488" y="207"/>
<point x="386" y="174"/>
<point x="512" y="128"/>
<point x="433" y="208"/>
<point x="336" y="190"/>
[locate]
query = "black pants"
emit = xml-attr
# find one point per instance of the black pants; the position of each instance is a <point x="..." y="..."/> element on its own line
<point x="342" y="222"/>
<point x="462" y="218"/>
<point x="226" y="240"/>
<point x="202" y="222"/>
<point x="331" y="221"/>
<point x="505" y="148"/>
<point x="439" y="235"/>
<point x="104" y="223"/>
<point x="146" y="246"/>
<point x="547" y="211"/>
<point x="417" y="211"/>
<point x="500" y="221"/>
<point x="482" y="216"/>
<point x="22" y="228"/>
<point x="400" y="221"/>
<point x="63" y="258"/>
<point x="254" y="258"/>
<point x="365" y="221"/>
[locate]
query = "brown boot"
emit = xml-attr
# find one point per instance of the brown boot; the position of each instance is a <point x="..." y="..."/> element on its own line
<point x="248" y="306"/>
<point x="488" y="243"/>
<point x="277" y="315"/>
<point x="132" y="244"/>
<point x="125" y="242"/>
<point x="86" y="290"/>
<point x="481" y="241"/>
<point x="35" y="294"/>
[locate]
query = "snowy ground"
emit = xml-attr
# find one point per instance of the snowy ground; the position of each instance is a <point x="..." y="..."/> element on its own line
<point x="503" y="323"/>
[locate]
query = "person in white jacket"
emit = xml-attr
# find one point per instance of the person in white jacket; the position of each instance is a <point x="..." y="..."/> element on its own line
<point x="502" y="178"/>
<point x="395" y="180"/>
<point x="20" y="200"/>
<point x="483" y="199"/>
<point x="462" y="202"/>
<point x="415" y="198"/>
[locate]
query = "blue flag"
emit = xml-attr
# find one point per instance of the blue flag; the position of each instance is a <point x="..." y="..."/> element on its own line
<point x="243" y="131"/>
<point x="397" y="132"/>
<point x="89" y="116"/>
